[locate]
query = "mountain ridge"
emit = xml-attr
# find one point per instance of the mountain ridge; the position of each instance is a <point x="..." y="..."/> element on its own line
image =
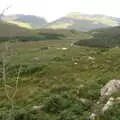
<point x="73" y="20"/>
<point x="85" y="22"/>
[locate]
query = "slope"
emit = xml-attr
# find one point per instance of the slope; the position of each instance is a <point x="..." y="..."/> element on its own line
<point x="11" y="30"/>
<point x="108" y="37"/>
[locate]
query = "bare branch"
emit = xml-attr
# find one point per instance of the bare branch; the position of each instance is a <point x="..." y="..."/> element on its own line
<point x="3" y="12"/>
<point x="17" y="81"/>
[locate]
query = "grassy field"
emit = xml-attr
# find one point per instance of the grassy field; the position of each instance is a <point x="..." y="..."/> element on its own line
<point x="56" y="75"/>
<point x="44" y="69"/>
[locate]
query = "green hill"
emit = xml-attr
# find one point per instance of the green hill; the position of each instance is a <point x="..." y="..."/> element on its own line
<point x="83" y="22"/>
<point x="11" y="30"/>
<point x="26" y="21"/>
<point x="108" y="37"/>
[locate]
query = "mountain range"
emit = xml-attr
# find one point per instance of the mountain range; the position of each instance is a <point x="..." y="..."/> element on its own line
<point x="74" y="20"/>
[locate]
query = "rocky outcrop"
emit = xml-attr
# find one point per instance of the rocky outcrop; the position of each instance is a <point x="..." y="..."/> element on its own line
<point x="106" y="100"/>
<point x="111" y="87"/>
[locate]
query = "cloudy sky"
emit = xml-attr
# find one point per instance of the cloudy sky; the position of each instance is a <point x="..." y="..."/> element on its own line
<point x="52" y="9"/>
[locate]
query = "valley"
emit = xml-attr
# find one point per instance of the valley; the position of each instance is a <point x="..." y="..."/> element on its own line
<point x="58" y="74"/>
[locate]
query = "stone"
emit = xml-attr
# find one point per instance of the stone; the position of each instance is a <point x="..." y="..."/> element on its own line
<point x="106" y="100"/>
<point x="91" y="58"/>
<point x="108" y="105"/>
<point x="38" y="107"/>
<point x="111" y="87"/>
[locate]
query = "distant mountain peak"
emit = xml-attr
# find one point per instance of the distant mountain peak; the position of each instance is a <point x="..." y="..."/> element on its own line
<point x="80" y="21"/>
<point x="73" y="14"/>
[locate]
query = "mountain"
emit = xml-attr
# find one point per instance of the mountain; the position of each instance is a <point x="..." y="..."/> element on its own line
<point x="83" y="22"/>
<point x="107" y="37"/>
<point x="75" y="20"/>
<point x="27" y="21"/>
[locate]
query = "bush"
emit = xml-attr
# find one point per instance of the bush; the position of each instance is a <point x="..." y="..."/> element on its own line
<point x="56" y="104"/>
<point x="75" y="112"/>
<point x="23" y="116"/>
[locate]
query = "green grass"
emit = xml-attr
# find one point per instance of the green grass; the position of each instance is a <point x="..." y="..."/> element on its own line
<point x="20" y="24"/>
<point x="50" y="77"/>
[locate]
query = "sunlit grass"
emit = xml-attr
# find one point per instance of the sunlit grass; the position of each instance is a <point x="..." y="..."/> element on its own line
<point x="20" y="24"/>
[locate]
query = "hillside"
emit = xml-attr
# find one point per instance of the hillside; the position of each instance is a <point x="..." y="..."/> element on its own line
<point x="11" y="30"/>
<point x="107" y="37"/>
<point x="27" y="21"/>
<point x="83" y="22"/>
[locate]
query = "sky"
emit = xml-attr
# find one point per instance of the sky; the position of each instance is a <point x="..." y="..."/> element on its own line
<point x="53" y="9"/>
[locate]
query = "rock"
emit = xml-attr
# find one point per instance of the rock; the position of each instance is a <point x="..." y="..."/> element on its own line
<point x="108" y="105"/>
<point x="75" y="63"/>
<point x="91" y="58"/>
<point x="111" y="87"/>
<point x="92" y="116"/>
<point x="106" y="100"/>
<point x="62" y="48"/>
<point x="38" y="107"/>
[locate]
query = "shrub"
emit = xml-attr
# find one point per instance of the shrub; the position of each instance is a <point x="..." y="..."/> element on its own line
<point x="75" y="112"/>
<point x="55" y="104"/>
